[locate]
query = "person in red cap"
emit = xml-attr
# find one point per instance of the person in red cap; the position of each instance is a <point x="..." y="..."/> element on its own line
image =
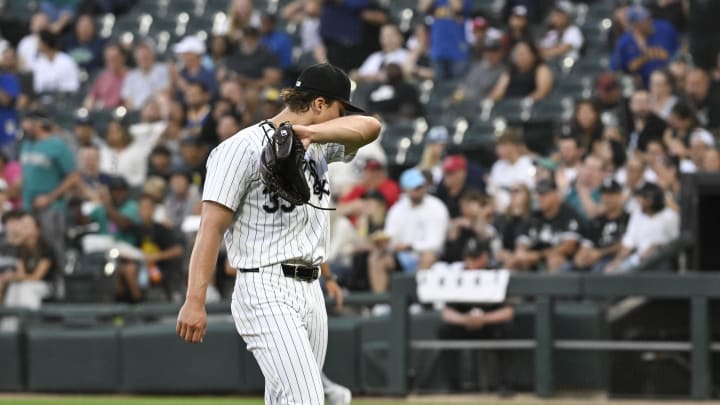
<point x="453" y="183"/>
<point x="374" y="178"/>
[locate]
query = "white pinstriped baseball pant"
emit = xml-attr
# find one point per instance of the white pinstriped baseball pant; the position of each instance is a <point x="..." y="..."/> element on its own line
<point x="284" y="324"/>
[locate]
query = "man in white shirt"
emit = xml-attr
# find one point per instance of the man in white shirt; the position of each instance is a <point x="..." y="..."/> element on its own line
<point x="54" y="71"/>
<point x="513" y="167"/>
<point x="28" y="46"/>
<point x="146" y="80"/>
<point x="391" y="40"/>
<point x="564" y="39"/>
<point x="417" y="224"/>
<point x="650" y="228"/>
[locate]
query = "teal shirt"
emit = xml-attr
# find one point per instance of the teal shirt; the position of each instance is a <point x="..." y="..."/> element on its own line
<point x="45" y="164"/>
<point x="573" y="199"/>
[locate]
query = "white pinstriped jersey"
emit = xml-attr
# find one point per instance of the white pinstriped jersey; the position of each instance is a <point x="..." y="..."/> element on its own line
<point x="267" y="229"/>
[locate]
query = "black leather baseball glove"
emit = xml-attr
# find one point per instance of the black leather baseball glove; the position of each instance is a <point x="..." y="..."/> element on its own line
<point x="282" y="166"/>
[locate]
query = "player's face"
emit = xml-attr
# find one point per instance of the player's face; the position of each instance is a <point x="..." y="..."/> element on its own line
<point x="329" y="110"/>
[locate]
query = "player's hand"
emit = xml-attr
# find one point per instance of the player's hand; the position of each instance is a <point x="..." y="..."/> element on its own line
<point x="42" y="201"/>
<point x="334" y="291"/>
<point x="192" y="322"/>
<point x="303" y="133"/>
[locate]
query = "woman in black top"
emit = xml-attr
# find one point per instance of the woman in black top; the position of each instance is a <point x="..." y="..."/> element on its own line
<point x="510" y="224"/>
<point x="586" y="124"/>
<point x="527" y="75"/>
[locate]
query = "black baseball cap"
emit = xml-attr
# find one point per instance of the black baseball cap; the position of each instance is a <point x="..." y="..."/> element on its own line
<point x="475" y="247"/>
<point x="610" y="186"/>
<point x="328" y="81"/>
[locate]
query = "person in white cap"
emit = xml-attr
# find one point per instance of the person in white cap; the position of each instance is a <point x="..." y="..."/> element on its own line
<point x="564" y="39"/>
<point x="191" y="50"/>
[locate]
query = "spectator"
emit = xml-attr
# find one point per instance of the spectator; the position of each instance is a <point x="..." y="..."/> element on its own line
<point x="191" y="49"/>
<point x="306" y="13"/>
<point x="449" y="50"/>
<point x="194" y="154"/>
<point x="570" y="155"/>
<point x="564" y="39"/>
<point x="85" y="134"/>
<point x="228" y="125"/>
<point x="526" y="77"/>
<point x="394" y="98"/>
<point x="620" y="24"/>
<point x="601" y="238"/>
<point x="416" y="224"/>
<point x="609" y="97"/>
<point x="518" y="26"/>
<point x="584" y="195"/>
<point x="183" y="199"/>
<point x="649" y="229"/>
<point x="483" y="75"/>
<point x="586" y="124"/>
<point x="700" y="143"/>
<point x="644" y="125"/>
<point x="60" y="12"/>
<point x="220" y="49"/>
<point x="10" y="65"/>
<point x="374" y="69"/>
<point x="552" y="235"/>
<point x="105" y="93"/>
<point x="54" y="71"/>
<point x="683" y="126"/>
<point x="29" y="46"/>
<point x="48" y="172"/>
<point x="277" y="42"/>
<point x="253" y="64"/>
<point x="198" y="118"/>
<point x="84" y="46"/>
<point x="456" y="180"/>
<point x="662" y="93"/>
<point x="372" y="259"/>
<point x="241" y="14"/>
<point x="34" y="278"/>
<point x="374" y="178"/>
<point x="121" y="210"/>
<point x="468" y="322"/>
<point x="513" y="167"/>
<point x="473" y="222"/>
<point x="9" y="125"/>
<point x="11" y="173"/>
<point x="146" y="80"/>
<point x="711" y="162"/>
<point x="649" y="45"/>
<point x="512" y="223"/>
<point x="160" y="162"/>
<point x="90" y="180"/>
<point x="703" y="97"/>
<point x="417" y="65"/>
<point x="162" y="250"/>
<point x="125" y="155"/>
<point x="433" y="153"/>
<point x="341" y="29"/>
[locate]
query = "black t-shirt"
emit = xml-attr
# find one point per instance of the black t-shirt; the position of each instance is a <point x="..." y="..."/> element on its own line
<point x="395" y="100"/>
<point x="31" y="257"/>
<point x="156" y="238"/>
<point x="603" y="232"/>
<point x="542" y="233"/>
<point x="510" y="227"/>
<point x="254" y="64"/>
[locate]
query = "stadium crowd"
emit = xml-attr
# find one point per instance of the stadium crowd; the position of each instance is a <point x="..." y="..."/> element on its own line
<point x="106" y="132"/>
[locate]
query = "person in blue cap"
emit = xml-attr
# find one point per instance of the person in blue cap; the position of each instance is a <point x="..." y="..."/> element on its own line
<point x="647" y="46"/>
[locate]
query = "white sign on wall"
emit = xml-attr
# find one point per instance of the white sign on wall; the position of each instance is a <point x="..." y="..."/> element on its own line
<point x="466" y="286"/>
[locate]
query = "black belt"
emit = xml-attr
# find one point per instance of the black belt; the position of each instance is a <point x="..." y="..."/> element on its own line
<point x="298" y="272"/>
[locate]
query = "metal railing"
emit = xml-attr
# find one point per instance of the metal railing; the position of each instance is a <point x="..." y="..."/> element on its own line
<point x="699" y="288"/>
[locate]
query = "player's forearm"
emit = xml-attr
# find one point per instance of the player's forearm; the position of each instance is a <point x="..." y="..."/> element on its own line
<point x="352" y="131"/>
<point x="202" y="264"/>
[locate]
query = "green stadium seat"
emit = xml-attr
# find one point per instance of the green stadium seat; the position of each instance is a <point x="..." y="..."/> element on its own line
<point x="11" y="377"/>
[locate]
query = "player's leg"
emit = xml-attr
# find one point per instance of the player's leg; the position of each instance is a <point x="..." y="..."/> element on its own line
<point x="316" y="322"/>
<point x="267" y="316"/>
<point x="335" y="394"/>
